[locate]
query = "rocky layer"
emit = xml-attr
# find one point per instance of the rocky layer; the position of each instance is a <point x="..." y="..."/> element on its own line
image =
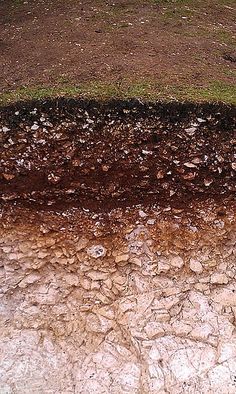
<point x="142" y="301"/>
<point x="101" y="156"/>
<point x="117" y="248"/>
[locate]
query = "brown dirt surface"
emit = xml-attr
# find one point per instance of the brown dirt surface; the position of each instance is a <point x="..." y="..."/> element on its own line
<point x="47" y="43"/>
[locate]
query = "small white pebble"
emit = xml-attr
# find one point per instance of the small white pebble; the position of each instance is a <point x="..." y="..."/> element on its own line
<point x="5" y="129"/>
<point x="195" y="266"/>
<point x="142" y="214"/>
<point x="200" y="120"/>
<point x="35" y="127"/>
<point x="96" y="251"/>
<point x="233" y="165"/>
<point x="208" y="182"/>
<point x="189" y="165"/>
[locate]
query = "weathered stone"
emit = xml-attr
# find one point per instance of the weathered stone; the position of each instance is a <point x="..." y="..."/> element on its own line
<point x="96" y="251"/>
<point x="195" y="266"/>
<point x="122" y="257"/>
<point x="219" y="278"/>
<point x="176" y="261"/>
<point x="97" y="275"/>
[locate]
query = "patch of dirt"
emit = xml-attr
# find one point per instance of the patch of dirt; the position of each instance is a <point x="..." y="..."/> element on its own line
<point x="44" y="42"/>
<point x="231" y="57"/>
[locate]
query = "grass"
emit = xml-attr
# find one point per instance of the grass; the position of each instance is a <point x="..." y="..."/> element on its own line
<point x="146" y="90"/>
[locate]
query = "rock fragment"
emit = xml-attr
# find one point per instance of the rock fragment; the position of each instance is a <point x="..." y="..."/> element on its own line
<point x="96" y="251"/>
<point x="195" y="266"/>
<point x="177" y="261"/>
<point x="218" y="278"/>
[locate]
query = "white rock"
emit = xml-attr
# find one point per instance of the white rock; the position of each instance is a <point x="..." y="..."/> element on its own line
<point x="200" y="120"/>
<point x="151" y="221"/>
<point x="5" y="129"/>
<point x="225" y="297"/>
<point x="177" y="261"/>
<point x="219" y="278"/>
<point x="142" y="214"/>
<point x="191" y="130"/>
<point x="96" y="251"/>
<point x="202" y="331"/>
<point x="195" y="266"/>
<point x="208" y="182"/>
<point x="189" y="165"/>
<point x="35" y="127"/>
<point x="163" y="266"/>
<point x="180" y="328"/>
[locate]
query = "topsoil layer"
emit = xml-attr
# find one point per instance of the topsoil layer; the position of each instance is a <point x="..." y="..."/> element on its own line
<point x="48" y="43"/>
<point x="100" y="156"/>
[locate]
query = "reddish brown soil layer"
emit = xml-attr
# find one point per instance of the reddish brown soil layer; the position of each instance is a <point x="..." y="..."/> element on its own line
<point x="98" y="156"/>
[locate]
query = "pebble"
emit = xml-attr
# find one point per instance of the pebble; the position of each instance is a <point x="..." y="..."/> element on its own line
<point x="200" y="120"/>
<point x="163" y="266"/>
<point x="217" y="278"/>
<point x="160" y="174"/>
<point x="96" y="251"/>
<point x="5" y="129"/>
<point x="189" y="165"/>
<point x="71" y="279"/>
<point x="177" y="261"/>
<point x="151" y="221"/>
<point x="35" y="127"/>
<point x="8" y="177"/>
<point x="97" y="275"/>
<point x="190" y="130"/>
<point x="208" y="182"/>
<point x="195" y="266"/>
<point x="122" y="257"/>
<point x="142" y="214"/>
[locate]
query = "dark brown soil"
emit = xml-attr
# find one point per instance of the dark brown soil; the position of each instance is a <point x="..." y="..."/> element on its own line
<point x="68" y="153"/>
<point x="54" y="42"/>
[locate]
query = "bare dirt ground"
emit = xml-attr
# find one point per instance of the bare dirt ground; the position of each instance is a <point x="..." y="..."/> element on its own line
<point x="47" y="43"/>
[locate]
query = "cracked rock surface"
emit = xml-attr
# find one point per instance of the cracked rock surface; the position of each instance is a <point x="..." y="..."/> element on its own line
<point x="137" y="297"/>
